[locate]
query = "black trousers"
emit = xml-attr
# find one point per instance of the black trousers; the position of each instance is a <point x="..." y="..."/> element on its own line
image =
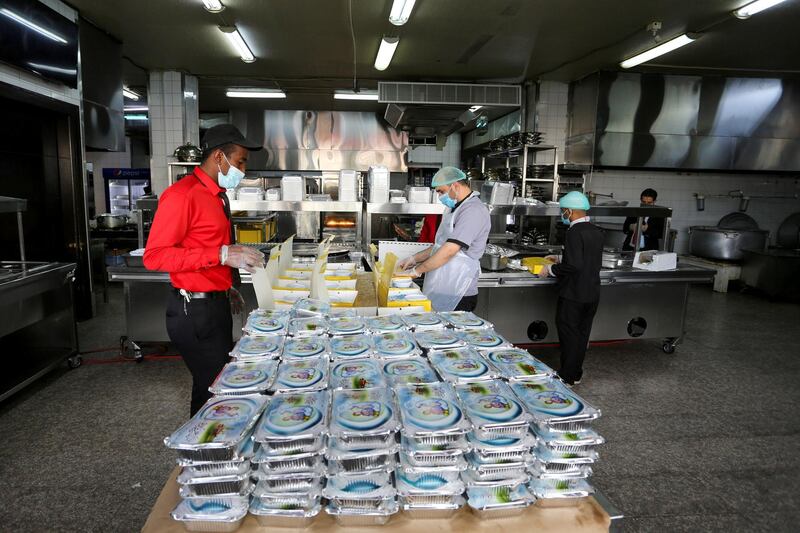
<point x="202" y="333"/>
<point x="467" y="303"/>
<point x="574" y="325"/>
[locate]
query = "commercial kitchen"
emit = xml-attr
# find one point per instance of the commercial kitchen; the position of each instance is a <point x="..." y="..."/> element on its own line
<point x="675" y="115"/>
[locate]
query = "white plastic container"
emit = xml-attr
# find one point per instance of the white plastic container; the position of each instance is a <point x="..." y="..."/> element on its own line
<point x="292" y="188"/>
<point x="348" y="184"/>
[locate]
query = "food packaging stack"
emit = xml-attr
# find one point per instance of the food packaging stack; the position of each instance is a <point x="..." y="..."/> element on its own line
<point x="434" y="446"/>
<point x="378" y="182"/>
<point x="501" y="449"/>
<point x="566" y="450"/>
<point x="214" y="450"/>
<point x="291" y="438"/>
<point x="362" y="453"/>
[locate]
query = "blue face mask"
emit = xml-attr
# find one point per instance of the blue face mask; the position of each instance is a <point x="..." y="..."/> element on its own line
<point x="564" y="219"/>
<point x="447" y="201"/>
<point x="232" y="178"/>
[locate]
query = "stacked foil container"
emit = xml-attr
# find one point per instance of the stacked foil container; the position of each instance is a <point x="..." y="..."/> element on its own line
<point x="362" y="454"/>
<point x="364" y="417"/>
<point x="214" y="450"/>
<point x="291" y="439"/>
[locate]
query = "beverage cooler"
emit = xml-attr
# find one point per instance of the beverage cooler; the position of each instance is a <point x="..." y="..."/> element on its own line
<point x="123" y="187"/>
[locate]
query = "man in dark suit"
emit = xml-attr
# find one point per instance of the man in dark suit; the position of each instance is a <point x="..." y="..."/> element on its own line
<point x="578" y="274"/>
<point x="652" y="228"/>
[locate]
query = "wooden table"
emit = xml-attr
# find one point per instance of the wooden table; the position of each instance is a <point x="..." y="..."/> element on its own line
<point x="588" y="516"/>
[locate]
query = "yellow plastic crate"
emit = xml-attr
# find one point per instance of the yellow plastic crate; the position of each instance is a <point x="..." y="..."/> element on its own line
<point x="535" y="264"/>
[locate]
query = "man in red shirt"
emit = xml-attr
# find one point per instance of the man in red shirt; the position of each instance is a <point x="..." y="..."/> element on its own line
<point x="191" y="238"/>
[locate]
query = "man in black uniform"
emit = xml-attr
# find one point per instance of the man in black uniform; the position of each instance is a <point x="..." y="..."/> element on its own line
<point x="578" y="274"/>
<point x="652" y="228"/>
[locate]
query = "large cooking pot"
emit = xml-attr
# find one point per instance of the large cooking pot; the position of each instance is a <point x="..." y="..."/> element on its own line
<point x="109" y="221"/>
<point x="493" y="262"/>
<point x="721" y="244"/>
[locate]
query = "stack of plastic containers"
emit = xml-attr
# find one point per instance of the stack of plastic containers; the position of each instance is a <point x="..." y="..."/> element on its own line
<point x="434" y="446"/>
<point x="361" y="455"/>
<point x="292" y="438"/>
<point x="214" y="448"/>
<point x="496" y="475"/>
<point x="562" y="423"/>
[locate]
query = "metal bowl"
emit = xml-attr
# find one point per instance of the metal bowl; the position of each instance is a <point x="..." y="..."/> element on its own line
<point x="493" y="262"/>
<point x="109" y="221"/>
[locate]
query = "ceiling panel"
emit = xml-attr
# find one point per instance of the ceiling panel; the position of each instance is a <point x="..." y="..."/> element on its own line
<point x="305" y="46"/>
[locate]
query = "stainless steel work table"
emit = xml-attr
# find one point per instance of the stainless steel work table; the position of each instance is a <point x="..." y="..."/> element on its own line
<point x="633" y="304"/>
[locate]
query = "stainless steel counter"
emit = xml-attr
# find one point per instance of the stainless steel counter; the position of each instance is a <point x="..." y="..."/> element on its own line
<point x="37" y="331"/>
<point x="633" y="304"/>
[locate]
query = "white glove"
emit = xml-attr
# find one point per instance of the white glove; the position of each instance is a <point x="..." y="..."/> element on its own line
<point x="545" y="271"/>
<point x="238" y="256"/>
<point x="407" y="263"/>
<point x="413" y="273"/>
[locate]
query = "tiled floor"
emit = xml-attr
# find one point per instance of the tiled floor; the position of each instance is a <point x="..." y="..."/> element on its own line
<point x="702" y="440"/>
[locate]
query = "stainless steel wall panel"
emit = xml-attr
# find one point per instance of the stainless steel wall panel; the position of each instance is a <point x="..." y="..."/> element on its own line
<point x="322" y="140"/>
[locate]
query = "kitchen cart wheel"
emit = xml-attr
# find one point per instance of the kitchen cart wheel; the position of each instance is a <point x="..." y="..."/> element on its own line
<point x="669" y="346"/>
<point x="74" y="362"/>
<point x="137" y="352"/>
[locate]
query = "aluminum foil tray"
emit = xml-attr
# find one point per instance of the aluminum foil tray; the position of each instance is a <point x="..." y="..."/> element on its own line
<point x="357" y="374"/>
<point x="298" y="348"/>
<point x="465" y="320"/>
<point x="308" y="327"/>
<point x="555" y="407"/>
<point x="462" y="365"/>
<point x="395" y="344"/>
<point x="409" y="370"/>
<point x="431" y="413"/>
<point x="257" y="347"/>
<point x="209" y="515"/>
<point x="245" y="377"/>
<point x="351" y="346"/>
<point x="362" y="419"/>
<point x="293" y="423"/>
<point x="493" y="410"/>
<point x="301" y="375"/>
<point x="515" y="364"/>
<point x="218" y="430"/>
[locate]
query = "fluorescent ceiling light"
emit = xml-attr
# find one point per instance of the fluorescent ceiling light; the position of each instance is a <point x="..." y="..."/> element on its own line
<point x="127" y="93"/>
<point x="255" y="93"/>
<point x="136" y="108"/>
<point x="51" y="68"/>
<point x="135" y="117"/>
<point x="475" y="108"/>
<point x="401" y="11"/>
<point x="35" y="27"/>
<point x="353" y="95"/>
<point x="755" y="7"/>
<point x="213" y="6"/>
<point x="386" y="52"/>
<point x="235" y="38"/>
<point x="660" y="50"/>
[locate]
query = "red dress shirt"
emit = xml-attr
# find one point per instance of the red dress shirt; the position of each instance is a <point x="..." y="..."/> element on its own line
<point x="189" y="228"/>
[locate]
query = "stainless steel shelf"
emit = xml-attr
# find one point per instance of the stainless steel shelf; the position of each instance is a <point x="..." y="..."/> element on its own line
<point x="12" y="205"/>
<point x="517" y="150"/>
<point x="596" y="211"/>
<point x="405" y="209"/>
<point x="307" y="207"/>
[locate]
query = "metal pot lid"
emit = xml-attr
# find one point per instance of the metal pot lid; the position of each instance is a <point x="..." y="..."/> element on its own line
<point x="737" y="220"/>
<point x="789" y="232"/>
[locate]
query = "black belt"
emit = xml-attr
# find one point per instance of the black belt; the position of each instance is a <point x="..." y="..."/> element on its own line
<point x="199" y="295"/>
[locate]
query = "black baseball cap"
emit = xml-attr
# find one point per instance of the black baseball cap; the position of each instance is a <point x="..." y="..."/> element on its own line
<point x="227" y="134"/>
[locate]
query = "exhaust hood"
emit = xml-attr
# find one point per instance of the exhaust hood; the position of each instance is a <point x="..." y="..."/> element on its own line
<point x="684" y="122"/>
